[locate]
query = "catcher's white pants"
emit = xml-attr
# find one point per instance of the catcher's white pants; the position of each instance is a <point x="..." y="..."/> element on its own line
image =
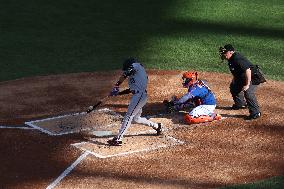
<point x="134" y="113"/>
<point x="202" y="110"/>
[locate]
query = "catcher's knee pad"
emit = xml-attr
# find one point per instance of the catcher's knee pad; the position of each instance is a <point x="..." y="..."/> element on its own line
<point x="201" y="119"/>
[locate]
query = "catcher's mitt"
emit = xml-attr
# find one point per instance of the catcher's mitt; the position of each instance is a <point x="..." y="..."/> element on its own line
<point x="169" y="105"/>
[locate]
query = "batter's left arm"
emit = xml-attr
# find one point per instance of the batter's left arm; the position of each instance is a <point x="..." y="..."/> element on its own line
<point x="184" y="98"/>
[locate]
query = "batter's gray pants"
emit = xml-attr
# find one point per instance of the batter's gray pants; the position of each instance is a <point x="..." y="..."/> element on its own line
<point x="134" y="112"/>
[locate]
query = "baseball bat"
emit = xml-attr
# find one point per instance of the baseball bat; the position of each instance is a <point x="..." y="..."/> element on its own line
<point x="92" y="108"/>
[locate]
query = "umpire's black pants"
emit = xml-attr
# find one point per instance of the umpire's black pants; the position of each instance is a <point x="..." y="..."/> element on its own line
<point x="242" y="98"/>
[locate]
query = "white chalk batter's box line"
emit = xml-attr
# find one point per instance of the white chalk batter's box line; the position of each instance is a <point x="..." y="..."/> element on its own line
<point x="33" y="123"/>
<point x="176" y="142"/>
<point x="15" y="127"/>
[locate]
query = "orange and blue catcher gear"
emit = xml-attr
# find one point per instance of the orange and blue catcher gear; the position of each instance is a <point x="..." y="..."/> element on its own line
<point x="201" y="119"/>
<point x="189" y="78"/>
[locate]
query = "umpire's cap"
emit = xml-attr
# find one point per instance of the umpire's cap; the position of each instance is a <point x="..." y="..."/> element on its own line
<point x="226" y="48"/>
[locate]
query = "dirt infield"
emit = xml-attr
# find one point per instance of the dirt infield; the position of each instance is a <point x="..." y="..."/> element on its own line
<point x="210" y="155"/>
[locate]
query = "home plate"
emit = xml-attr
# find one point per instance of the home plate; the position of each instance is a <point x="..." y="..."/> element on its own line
<point x="140" y="142"/>
<point x="100" y="133"/>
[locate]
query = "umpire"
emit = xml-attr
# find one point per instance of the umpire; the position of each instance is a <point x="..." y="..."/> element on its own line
<point x="241" y="87"/>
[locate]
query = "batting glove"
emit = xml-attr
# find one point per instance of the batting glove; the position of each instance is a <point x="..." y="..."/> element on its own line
<point x="114" y="91"/>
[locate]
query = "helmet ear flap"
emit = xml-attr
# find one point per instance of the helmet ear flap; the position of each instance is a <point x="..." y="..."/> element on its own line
<point x="185" y="82"/>
<point x="127" y="67"/>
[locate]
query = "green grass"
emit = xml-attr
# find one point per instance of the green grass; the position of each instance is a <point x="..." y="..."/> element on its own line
<point x="272" y="183"/>
<point x="41" y="37"/>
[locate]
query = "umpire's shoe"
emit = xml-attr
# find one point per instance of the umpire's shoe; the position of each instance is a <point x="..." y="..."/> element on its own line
<point x="253" y="116"/>
<point x="159" y="129"/>
<point x="114" y="142"/>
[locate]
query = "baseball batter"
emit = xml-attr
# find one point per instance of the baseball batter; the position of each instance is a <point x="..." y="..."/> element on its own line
<point x="137" y="82"/>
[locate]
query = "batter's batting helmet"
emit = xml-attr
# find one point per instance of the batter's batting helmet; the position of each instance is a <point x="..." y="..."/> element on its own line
<point x="189" y="78"/>
<point x="127" y="67"/>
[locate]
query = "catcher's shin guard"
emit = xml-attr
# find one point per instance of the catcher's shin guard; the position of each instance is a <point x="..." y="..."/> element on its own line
<point x="193" y="120"/>
<point x="201" y="119"/>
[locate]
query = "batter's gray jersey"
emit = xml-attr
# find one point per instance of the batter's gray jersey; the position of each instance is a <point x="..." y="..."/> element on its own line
<point x="139" y="80"/>
<point x="137" y="84"/>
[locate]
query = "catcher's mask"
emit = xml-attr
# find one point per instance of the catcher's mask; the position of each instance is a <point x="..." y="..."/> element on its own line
<point x="128" y="68"/>
<point x="224" y="50"/>
<point x="189" y="78"/>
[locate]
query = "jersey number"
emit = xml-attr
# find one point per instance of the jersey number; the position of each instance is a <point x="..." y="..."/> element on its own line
<point x="132" y="80"/>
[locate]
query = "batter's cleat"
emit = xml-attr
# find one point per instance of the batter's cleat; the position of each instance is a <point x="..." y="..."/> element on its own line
<point x="159" y="129"/>
<point x="253" y="116"/>
<point x="236" y="107"/>
<point x="114" y="142"/>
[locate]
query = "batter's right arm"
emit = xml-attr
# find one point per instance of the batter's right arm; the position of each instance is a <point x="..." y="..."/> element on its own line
<point x="115" y="89"/>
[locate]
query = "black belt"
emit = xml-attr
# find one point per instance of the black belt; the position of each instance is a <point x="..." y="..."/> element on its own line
<point x="136" y="91"/>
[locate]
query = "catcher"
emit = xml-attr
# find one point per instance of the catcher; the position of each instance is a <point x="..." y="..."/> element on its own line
<point x="199" y="98"/>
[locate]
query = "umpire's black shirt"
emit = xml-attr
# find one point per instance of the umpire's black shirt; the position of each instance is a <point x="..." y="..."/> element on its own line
<point x="238" y="65"/>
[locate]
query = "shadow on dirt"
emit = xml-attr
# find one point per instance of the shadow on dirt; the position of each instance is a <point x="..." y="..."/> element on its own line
<point x="223" y="107"/>
<point x="143" y="180"/>
<point x="234" y="116"/>
<point x="34" y="156"/>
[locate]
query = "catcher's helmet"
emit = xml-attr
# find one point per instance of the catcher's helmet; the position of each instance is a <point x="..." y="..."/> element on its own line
<point x="127" y="67"/>
<point x="189" y="78"/>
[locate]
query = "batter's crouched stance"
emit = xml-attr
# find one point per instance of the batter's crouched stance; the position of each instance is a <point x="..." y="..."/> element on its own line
<point x="242" y="86"/>
<point x="202" y="97"/>
<point x="137" y="82"/>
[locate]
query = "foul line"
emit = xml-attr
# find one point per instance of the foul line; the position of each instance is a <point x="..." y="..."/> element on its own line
<point x="15" y="127"/>
<point x="68" y="170"/>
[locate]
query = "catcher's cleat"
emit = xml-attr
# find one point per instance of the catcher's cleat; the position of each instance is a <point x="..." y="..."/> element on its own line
<point x="216" y="116"/>
<point x="114" y="142"/>
<point x="165" y="101"/>
<point x="159" y="129"/>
